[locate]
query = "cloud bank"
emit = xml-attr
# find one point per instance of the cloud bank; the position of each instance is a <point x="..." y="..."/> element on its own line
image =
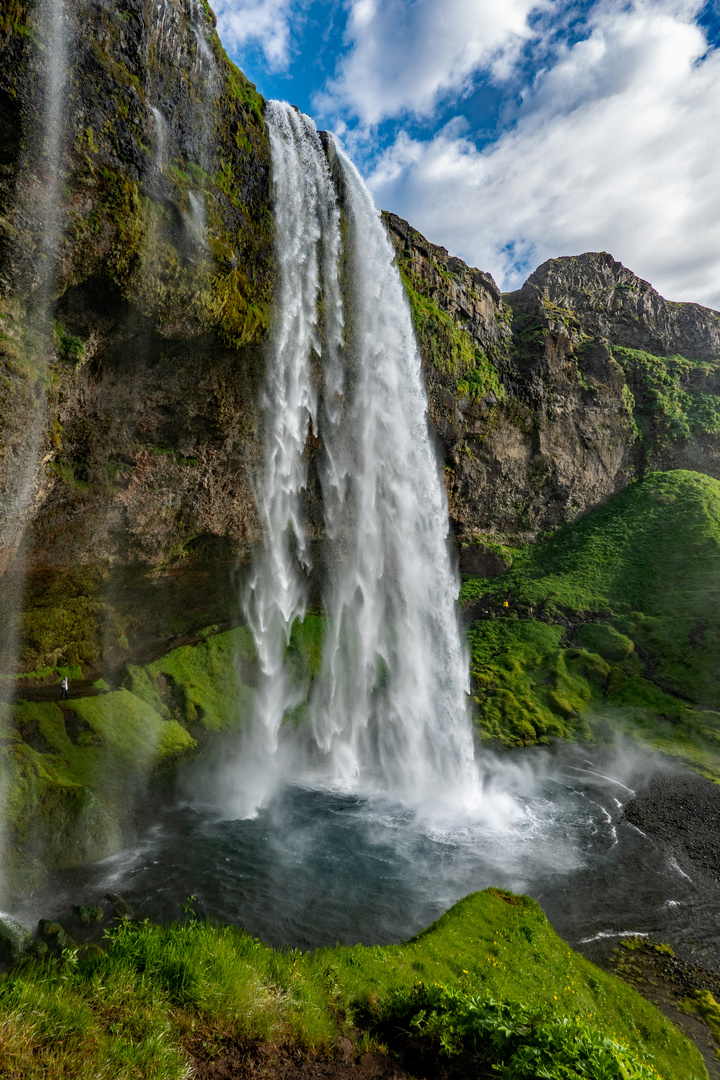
<point x="614" y="148"/>
<point x="263" y="23"/>
<point x="403" y="56"/>
<point x="603" y="134"/>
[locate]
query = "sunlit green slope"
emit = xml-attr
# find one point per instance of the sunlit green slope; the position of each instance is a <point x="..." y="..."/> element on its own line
<point x="490" y="980"/>
<point x="613" y="621"/>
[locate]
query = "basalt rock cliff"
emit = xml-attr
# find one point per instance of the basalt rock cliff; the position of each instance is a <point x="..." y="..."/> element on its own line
<point x="549" y="399"/>
<point x="128" y="373"/>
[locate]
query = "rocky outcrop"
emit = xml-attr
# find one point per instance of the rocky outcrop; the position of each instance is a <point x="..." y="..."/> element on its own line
<point x="550" y="399"/>
<point x="609" y="301"/>
<point x="127" y="371"/>
<point x="136" y="276"/>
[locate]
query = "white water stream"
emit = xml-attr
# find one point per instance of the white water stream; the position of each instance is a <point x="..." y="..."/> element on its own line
<point x="387" y="712"/>
<point x="44" y="207"/>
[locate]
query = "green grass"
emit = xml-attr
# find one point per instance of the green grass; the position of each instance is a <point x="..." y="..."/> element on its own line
<point x="138" y="1008"/>
<point x="638" y="581"/>
<point x="671" y="398"/>
<point x="653" y="548"/>
<point x="200" y="683"/>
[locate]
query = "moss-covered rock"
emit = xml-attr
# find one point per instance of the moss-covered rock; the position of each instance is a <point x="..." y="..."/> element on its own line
<point x="605" y="640"/>
<point x="165" y="257"/>
<point x="201" y="684"/>
<point x="73" y="771"/>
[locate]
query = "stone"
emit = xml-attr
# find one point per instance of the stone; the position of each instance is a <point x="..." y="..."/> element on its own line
<point x="14" y="938"/>
<point x="480" y="561"/>
<point x="88" y="914"/>
<point x="122" y="909"/>
<point x="49" y="930"/>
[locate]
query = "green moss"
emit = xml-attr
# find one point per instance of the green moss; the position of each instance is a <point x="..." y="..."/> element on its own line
<point x="201" y="683"/>
<point x="605" y="640"/>
<point x="52" y="820"/>
<point x="131" y="729"/>
<point x="67" y="621"/>
<point x="703" y="1003"/>
<point x="71" y="349"/>
<point x="672" y="397"/>
<point x="636" y="580"/>
<point x="450" y="349"/>
<point x="525" y="688"/>
<point x="13" y="19"/>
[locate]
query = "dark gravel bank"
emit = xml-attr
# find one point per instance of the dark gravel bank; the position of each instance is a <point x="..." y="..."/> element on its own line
<point x="683" y="810"/>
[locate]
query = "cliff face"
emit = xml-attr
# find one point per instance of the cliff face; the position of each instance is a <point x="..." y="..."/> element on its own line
<point x="129" y="427"/>
<point x="126" y="373"/>
<point x="136" y="278"/>
<point x="549" y="399"/>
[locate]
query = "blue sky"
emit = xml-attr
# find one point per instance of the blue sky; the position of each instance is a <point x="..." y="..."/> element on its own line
<point x="511" y="131"/>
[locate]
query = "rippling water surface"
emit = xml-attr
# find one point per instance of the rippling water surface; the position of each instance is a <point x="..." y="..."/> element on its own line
<point x="321" y="867"/>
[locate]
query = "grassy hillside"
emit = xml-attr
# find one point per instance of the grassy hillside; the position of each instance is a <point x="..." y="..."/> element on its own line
<point x="158" y="997"/>
<point x="612" y="624"/>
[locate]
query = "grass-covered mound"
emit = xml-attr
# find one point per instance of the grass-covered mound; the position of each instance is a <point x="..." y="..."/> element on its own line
<point x="490" y="980"/>
<point x="612" y="621"/>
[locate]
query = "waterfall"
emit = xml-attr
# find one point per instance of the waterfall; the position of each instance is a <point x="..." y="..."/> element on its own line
<point x="205" y="71"/>
<point x="159" y="159"/>
<point x="307" y="228"/>
<point x="45" y="207"/>
<point x="387" y="711"/>
<point x="391" y="700"/>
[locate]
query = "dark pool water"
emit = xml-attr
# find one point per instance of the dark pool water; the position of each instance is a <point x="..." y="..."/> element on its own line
<point x="320" y="867"/>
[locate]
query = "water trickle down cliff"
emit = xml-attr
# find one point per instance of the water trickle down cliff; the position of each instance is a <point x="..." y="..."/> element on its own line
<point x="387" y="707"/>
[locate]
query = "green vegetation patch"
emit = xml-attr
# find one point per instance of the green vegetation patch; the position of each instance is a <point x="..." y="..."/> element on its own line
<point x="50" y="817"/>
<point x="490" y="979"/>
<point x="674" y="398"/>
<point x="200" y="683"/>
<point x="613" y="619"/>
<point x="131" y="728"/>
<point x="450" y="349"/>
<point x="525" y="688"/>
<point x="653" y="548"/>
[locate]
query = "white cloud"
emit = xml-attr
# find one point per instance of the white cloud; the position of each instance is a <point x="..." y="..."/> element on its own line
<point x="615" y="148"/>
<point x="266" y="23"/>
<point x="402" y="56"/>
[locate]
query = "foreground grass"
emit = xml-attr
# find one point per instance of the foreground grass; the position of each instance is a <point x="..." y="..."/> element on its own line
<point x="490" y="979"/>
<point x="613" y="627"/>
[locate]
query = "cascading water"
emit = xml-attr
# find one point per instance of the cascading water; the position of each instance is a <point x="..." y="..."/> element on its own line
<point x="205" y="71"/>
<point x="52" y="30"/>
<point x="159" y="158"/>
<point x="306" y="214"/>
<point x="391" y="700"/>
<point x="388" y="709"/>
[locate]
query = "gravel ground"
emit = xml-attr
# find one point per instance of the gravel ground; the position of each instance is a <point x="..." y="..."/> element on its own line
<point x="682" y="811"/>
